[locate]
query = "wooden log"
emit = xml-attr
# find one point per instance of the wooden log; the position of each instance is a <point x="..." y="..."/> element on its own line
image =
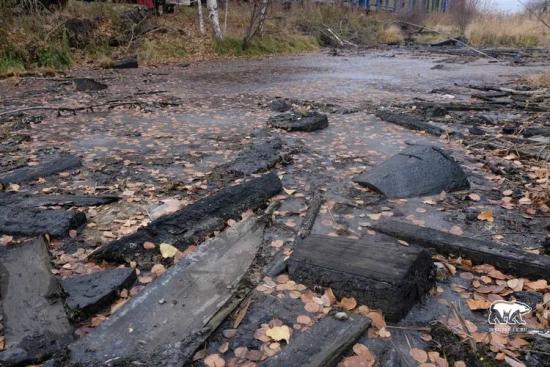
<point x="58" y="163"/>
<point x="90" y="293"/>
<point x="383" y="275"/>
<point x="409" y="122"/>
<point x="321" y="345"/>
<point x="311" y="214"/>
<point x="506" y="258"/>
<point x="165" y="323"/>
<point x="28" y="200"/>
<point x="35" y="221"/>
<point x="193" y="223"/>
<point x="34" y="320"/>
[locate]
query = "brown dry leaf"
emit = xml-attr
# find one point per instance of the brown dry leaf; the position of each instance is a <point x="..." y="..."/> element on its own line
<point x="73" y="233"/>
<point x="96" y="320"/>
<point x="538" y="285"/>
<point x="377" y="319"/>
<point x="486" y="215"/>
<point x="312" y="307"/>
<point x="419" y="355"/>
<point x="459" y="364"/>
<point x="214" y="360"/>
<point x="348" y="303"/>
<point x="158" y="270"/>
<point x="363" y="351"/>
<point x="515" y="284"/>
<point x="329" y="294"/>
<point x="279" y="333"/>
<point x="496" y="274"/>
<point x="478" y="304"/>
<point x="355" y="361"/>
<point x="474" y="197"/>
<point x="304" y="320"/>
<point x="223" y="348"/>
<point x="374" y="216"/>
<point x="149" y="245"/>
<point x="277" y="243"/>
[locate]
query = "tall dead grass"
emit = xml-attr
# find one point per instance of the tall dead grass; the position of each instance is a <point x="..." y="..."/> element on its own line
<point x="500" y="30"/>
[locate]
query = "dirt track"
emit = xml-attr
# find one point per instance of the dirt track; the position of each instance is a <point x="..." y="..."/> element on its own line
<point x="162" y="151"/>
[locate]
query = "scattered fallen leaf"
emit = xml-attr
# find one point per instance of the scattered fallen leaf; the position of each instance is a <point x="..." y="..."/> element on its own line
<point x="149" y="245"/>
<point x="279" y="333"/>
<point x="167" y="250"/>
<point x="474" y="197"/>
<point x="419" y="355"/>
<point x="348" y="303"/>
<point x="478" y="304"/>
<point x="214" y="360"/>
<point x="486" y="215"/>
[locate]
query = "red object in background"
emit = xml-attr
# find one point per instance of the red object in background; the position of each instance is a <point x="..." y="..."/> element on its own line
<point x="149" y="4"/>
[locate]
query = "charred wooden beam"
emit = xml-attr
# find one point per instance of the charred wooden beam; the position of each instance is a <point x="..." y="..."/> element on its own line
<point x="508" y="259"/>
<point x="28" y="200"/>
<point x="34" y="221"/>
<point x="58" y="163"/>
<point x="193" y="223"/>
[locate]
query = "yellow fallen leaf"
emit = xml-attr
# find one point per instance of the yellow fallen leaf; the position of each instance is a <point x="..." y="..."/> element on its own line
<point x="486" y="215"/>
<point x="279" y="333"/>
<point x="374" y="216"/>
<point x="167" y="250"/>
<point x="289" y="191"/>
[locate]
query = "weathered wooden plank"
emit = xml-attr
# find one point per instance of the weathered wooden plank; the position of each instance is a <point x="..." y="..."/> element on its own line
<point x="193" y="223"/>
<point x="508" y="259"/>
<point x="57" y="163"/>
<point x="35" y="221"/>
<point x="35" y="324"/>
<point x="90" y="293"/>
<point x="321" y="345"/>
<point x="409" y="122"/>
<point x="419" y="170"/>
<point x="380" y="274"/>
<point x="28" y="200"/>
<point x="166" y="322"/>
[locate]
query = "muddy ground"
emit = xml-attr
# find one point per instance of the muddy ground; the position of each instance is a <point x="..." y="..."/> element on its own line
<point x="157" y="133"/>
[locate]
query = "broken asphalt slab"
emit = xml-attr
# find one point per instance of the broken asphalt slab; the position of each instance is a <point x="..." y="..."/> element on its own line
<point x="291" y="121"/>
<point x="166" y="322"/>
<point x="29" y="200"/>
<point x="193" y="223"/>
<point x="55" y="164"/>
<point x="35" y="221"/>
<point x="419" y="170"/>
<point x="90" y="293"/>
<point x="322" y="344"/>
<point x="34" y="319"/>
<point x="504" y="258"/>
<point x="380" y="274"/>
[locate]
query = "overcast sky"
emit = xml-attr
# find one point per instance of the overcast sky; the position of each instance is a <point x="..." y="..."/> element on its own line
<point x="507" y="5"/>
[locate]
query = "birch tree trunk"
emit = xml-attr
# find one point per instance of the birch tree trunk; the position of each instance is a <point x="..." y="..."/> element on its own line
<point x="257" y="19"/>
<point x="212" y="6"/>
<point x="225" y="16"/>
<point x="201" y="19"/>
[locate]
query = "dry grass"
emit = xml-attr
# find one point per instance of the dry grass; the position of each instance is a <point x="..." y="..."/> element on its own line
<point x="540" y="80"/>
<point x="508" y="31"/>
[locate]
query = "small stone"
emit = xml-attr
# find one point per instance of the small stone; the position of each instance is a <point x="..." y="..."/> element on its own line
<point x="341" y="316"/>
